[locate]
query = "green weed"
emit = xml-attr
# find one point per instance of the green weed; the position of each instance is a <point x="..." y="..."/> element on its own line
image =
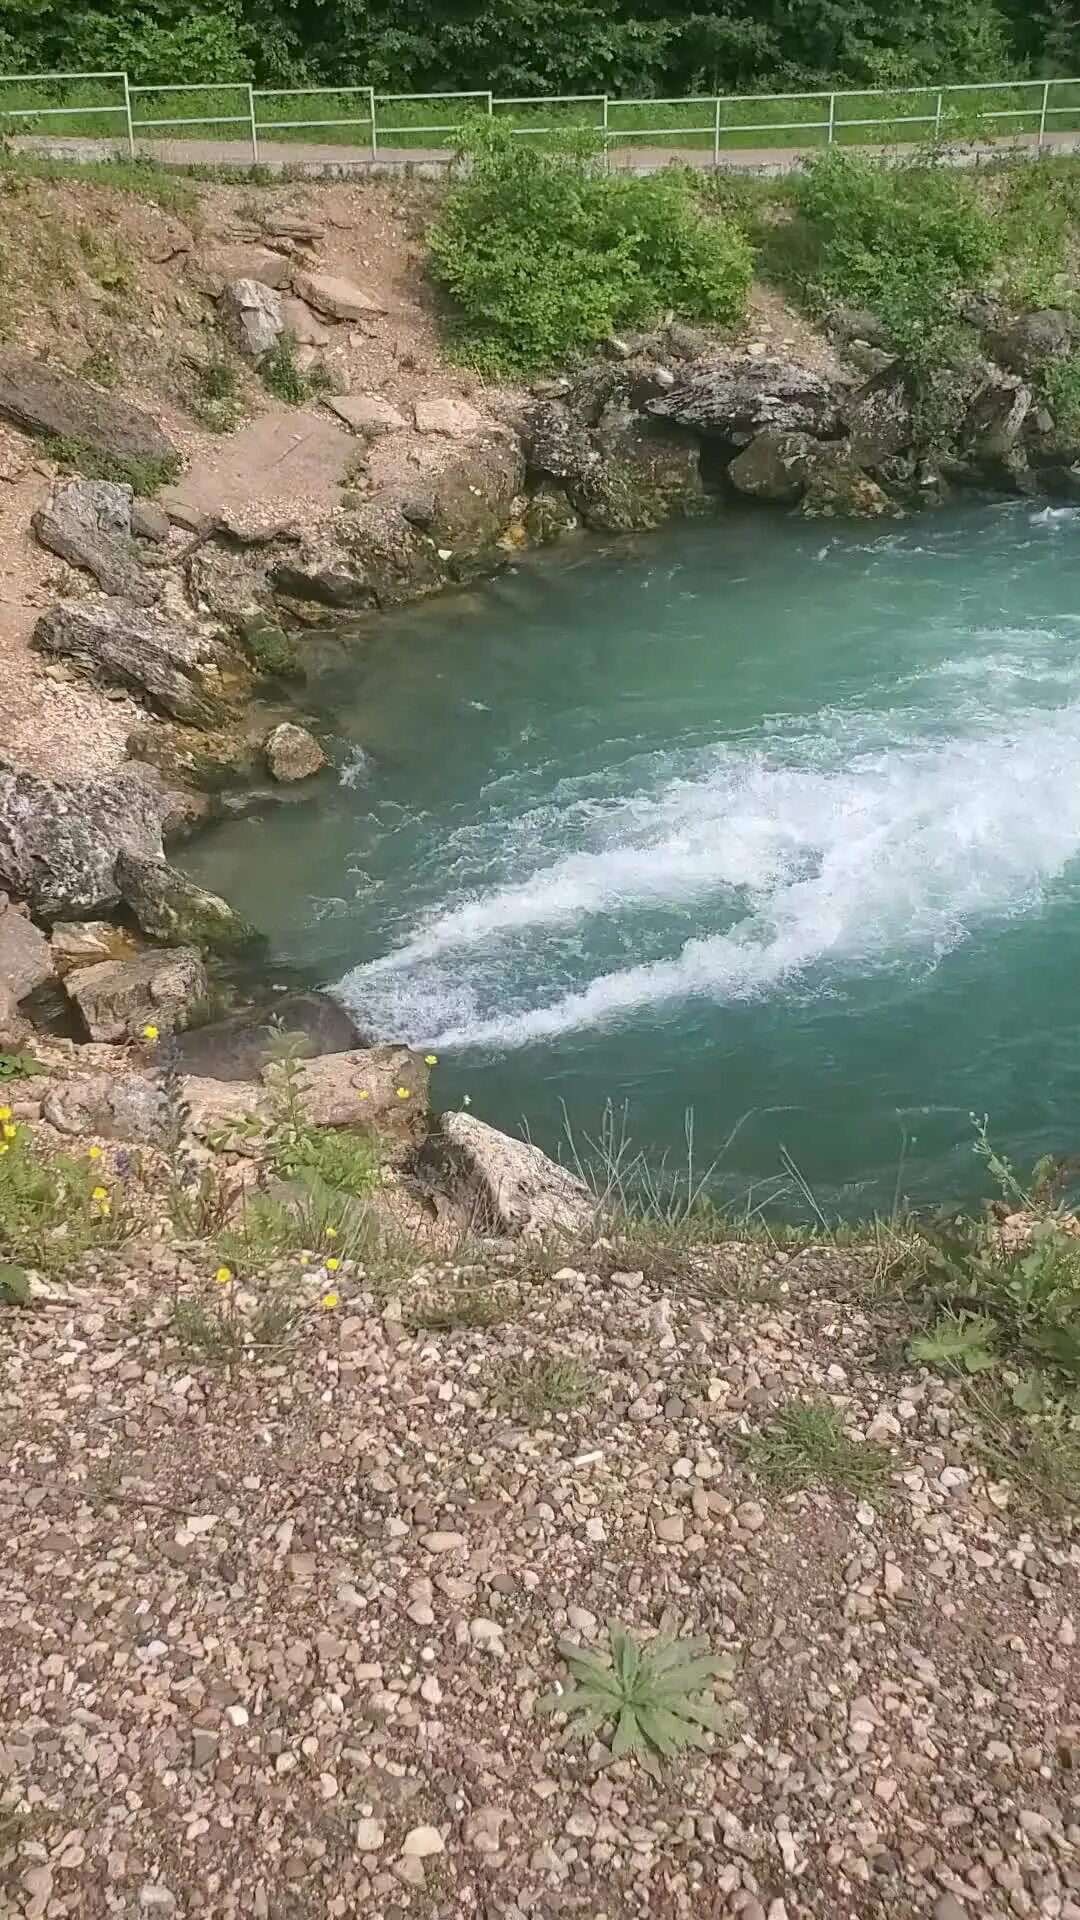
<point x="100" y="367"/>
<point x="104" y="259"/>
<point x="532" y="1389"/>
<point x="272" y="652"/>
<point x="19" y="1066"/>
<point x="216" y="399"/>
<point x="542" y="256"/>
<point x="287" y="380"/>
<point x="455" y="1309"/>
<point x="1060" y="385"/>
<point x="53" y="1210"/>
<point x="806" y="1445"/>
<point x="146" y="476"/>
<point x="267" y="1230"/>
<point x="650" y="1697"/>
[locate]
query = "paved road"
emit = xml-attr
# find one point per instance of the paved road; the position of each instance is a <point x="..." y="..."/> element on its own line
<point x="300" y="157"/>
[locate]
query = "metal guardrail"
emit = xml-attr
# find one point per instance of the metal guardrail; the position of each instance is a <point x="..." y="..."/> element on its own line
<point x="382" y="118"/>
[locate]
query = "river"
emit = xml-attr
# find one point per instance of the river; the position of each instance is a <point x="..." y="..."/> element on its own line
<point x="771" y="821"/>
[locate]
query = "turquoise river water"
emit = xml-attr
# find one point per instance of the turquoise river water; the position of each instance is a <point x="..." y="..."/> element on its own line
<point x="772" y="821"/>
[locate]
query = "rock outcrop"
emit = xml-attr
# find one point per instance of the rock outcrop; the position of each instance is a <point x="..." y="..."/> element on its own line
<point x="738" y="396"/>
<point x="88" y="523"/>
<point x="26" y="959"/>
<point x="41" y="399"/>
<point x="504" y="1186"/>
<point x="118" y="998"/>
<point x="171" y="908"/>
<point x="238" y="1048"/>
<point x="60" y="839"/>
<point x="162" y="661"/>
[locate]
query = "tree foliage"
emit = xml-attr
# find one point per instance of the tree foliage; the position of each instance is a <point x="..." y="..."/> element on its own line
<point x="538" y="46"/>
<point x="541" y="255"/>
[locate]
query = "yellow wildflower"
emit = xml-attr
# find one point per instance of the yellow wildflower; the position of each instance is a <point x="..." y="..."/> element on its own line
<point x="93" y="1153"/>
<point x="223" y="1276"/>
<point x="3" y="1146"/>
<point x="431" y="1059"/>
<point x="330" y="1299"/>
<point x="10" y="1132"/>
<point x="331" y="1233"/>
<point x="99" y="1193"/>
<point x="403" y="1093"/>
<point x="105" y="1209"/>
<point x="332" y="1266"/>
<point x="5" y="1113"/>
<point x="364" y="1094"/>
<point x="304" y="1258"/>
<point x="150" y="1033"/>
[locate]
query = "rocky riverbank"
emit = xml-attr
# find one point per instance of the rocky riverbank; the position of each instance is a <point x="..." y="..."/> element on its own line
<point x="170" y="629"/>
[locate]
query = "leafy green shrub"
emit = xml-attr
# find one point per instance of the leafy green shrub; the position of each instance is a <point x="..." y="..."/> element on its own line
<point x="542" y="256"/>
<point x="651" y="1696"/>
<point x="898" y="240"/>
<point x="1060" y="384"/>
<point x="216" y="400"/>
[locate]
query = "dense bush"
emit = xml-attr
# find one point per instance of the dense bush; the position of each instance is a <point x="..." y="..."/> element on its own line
<point x="899" y="241"/>
<point x="520" y="46"/>
<point x="542" y="255"/>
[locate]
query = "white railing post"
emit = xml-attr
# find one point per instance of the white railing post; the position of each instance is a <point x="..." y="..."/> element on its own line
<point x="832" y="117"/>
<point x="716" y="137"/>
<point x="1042" y="116"/>
<point x="491" y="104"/>
<point x="374" y="135"/>
<point x="607" y="142"/>
<point x="938" y="112"/>
<point x="130" y="122"/>
<point x="254" y="126"/>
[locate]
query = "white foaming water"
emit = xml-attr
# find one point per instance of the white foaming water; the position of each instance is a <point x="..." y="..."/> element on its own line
<point x="863" y="840"/>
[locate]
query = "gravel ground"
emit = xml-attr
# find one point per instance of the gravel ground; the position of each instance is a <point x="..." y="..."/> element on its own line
<point x="272" y="1641"/>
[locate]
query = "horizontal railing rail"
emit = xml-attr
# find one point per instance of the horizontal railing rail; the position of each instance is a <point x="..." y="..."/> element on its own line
<point x="59" y="106"/>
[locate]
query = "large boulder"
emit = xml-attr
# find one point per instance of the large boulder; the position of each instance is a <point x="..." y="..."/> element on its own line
<point x="1025" y="345"/>
<point x="881" y="417"/>
<point x="25" y="956"/>
<point x="254" y="315"/>
<point x="734" y="398"/>
<point x="773" y="466"/>
<point x="159" y="659"/>
<point x="292" y="753"/>
<point x="88" y="523"/>
<point x="118" y="998"/>
<point x="238" y="1048"/>
<point x="838" y="487"/>
<point x="42" y="399"/>
<point x="645" y="476"/>
<point x="503" y="1186"/>
<point x="14" y="1029"/>
<point x="131" y="1107"/>
<point x="370" y="1089"/>
<point x="995" y="420"/>
<point x="59" y="839"/>
<point x="559" y="443"/>
<point x="170" y="907"/>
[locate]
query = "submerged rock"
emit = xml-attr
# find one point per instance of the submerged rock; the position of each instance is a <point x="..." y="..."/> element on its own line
<point x="119" y="997"/>
<point x="504" y="1186"/>
<point x="292" y="753"/>
<point x="239" y="1047"/>
<point x="157" y="658"/>
<point x="59" y="839"/>
<point x="170" y="907"/>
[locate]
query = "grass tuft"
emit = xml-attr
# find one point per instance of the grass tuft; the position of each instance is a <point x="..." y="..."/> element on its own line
<point x="532" y="1389"/>
<point x="807" y="1445"/>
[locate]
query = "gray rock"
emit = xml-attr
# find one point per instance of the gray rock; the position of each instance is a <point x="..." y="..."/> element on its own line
<point x="254" y="315"/>
<point x="80" y="943"/>
<point x="292" y="753"/>
<point x="735" y="398"/>
<point x="456" y="418"/>
<point x="119" y="997"/>
<point x="132" y="1108"/>
<point x="170" y="907"/>
<point x="846" y="324"/>
<point x="773" y="466"/>
<point x="299" y="320"/>
<point x="88" y="523"/>
<point x="156" y="658"/>
<point x="150" y="522"/>
<point x="504" y="1186"/>
<point x="59" y="839"/>
<point x="237" y="1049"/>
<point x="995" y="420"/>
<point x="549" y="516"/>
<point x="25" y="955"/>
<point x="338" y="298"/>
<point x="42" y="399"/>
<point x="367" y="413"/>
<point x="1027" y="344"/>
<point x="558" y="444"/>
<point x="880" y="416"/>
<point x="368" y="1088"/>
<point x="13" y="1028"/>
